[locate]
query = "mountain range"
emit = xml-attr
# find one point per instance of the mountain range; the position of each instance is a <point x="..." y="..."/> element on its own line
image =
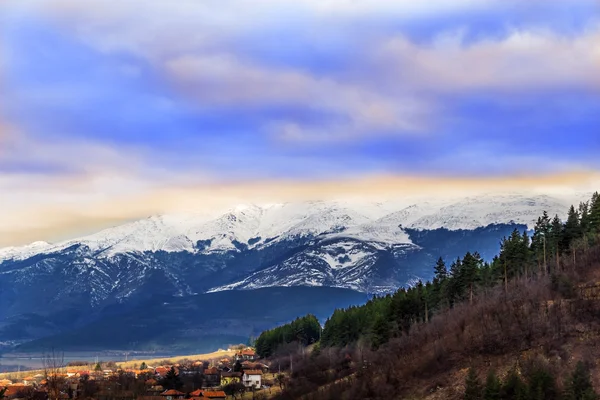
<point x="49" y="291"/>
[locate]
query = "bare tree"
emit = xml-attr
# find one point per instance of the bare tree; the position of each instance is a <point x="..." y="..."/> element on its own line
<point x="53" y="364"/>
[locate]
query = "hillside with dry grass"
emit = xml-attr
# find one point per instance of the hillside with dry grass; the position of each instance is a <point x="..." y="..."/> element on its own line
<point x="536" y="320"/>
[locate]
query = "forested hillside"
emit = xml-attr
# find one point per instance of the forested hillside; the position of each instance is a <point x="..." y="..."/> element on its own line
<point x="522" y="310"/>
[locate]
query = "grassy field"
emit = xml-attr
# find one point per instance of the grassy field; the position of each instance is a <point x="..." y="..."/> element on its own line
<point x="133" y="363"/>
<point x="195" y="357"/>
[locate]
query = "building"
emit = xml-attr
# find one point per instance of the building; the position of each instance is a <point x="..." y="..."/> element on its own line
<point x="230" y="377"/>
<point x="172" y="394"/>
<point x="212" y="377"/>
<point x="245" y="355"/>
<point x="252" y="379"/>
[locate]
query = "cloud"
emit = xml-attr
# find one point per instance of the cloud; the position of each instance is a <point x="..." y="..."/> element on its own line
<point x="223" y="80"/>
<point x="520" y="61"/>
<point x="58" y="210"/>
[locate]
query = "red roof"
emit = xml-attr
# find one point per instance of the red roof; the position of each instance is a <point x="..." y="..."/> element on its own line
<point x="248" y="352"/>
<point x="253" y="372"/>
<point x="196" y="393"/>
<point x="211" y="371"/>
<point x="215" y="395"/>
<point x="172" y="392"/>
<point x="13" y="390"/>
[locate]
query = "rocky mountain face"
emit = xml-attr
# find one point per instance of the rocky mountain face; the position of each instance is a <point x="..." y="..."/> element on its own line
<point x="372" y="248"/>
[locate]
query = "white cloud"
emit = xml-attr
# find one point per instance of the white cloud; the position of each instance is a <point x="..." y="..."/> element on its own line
<point x="522" y="60"/>
<point x="225" y="80"/>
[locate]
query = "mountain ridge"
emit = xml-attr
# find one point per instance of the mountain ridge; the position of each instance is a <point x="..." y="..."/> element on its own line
<point x="368" y="247"/>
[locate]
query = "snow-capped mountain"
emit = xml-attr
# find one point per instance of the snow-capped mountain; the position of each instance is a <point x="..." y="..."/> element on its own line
<point x="256" y="226"/>
<point x="370" y="247"/>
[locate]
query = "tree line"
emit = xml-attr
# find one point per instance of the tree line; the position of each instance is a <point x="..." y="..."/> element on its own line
<point x="537" y="382"/>
<point x="522" y="255"/>
<point x="304" y="330"/>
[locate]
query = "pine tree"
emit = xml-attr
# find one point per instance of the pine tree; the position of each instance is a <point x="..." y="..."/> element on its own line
<point x="579" y="385"/>
<point x="540" y="241"/>
<point x="143" y="366"/>
<point x="572" y="228"/>
<point x="472" y="386"/>
<point x="493" y="387"/>
<point x="469" y="273"/>
<point x="171" y="380"/>
<point x="381" y="331"/>
<point x="584" y="217"/>
<point x="556" y="236"/>
<point x="98" y="367"/>
<point x="594" y="217"/>
<point x="441" y="272"/>
<point x="514" y="387"/>
<point x="542" y="385"/>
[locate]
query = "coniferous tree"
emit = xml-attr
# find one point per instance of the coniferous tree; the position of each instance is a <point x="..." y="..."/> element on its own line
<point x="540" y="241"/>
<point x="579" y="385"/>
<point x="572" y="227"/>
<point x="493" y="387"/>
<point x="514" y="387"/>
<point x="584" y="217"/>
<point x="441" y="272"/>
<point x="171" y="380"/>
<point x="542" y="385"/>
<point x="143" y="366"/>
<point x="594" y="217"/>
<point x="469" y="273"/>
<point x="556" y="236"/>
<point x="473" y="390"/>
<point x="381" y="331"/>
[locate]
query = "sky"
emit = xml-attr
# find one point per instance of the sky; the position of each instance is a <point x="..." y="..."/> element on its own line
<point x="113" y="110"/>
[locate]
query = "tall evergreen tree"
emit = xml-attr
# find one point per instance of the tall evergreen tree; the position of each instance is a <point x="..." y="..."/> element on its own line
<point x="572" y="228"/>
<point x="594" y="217"/>
<point x="493" y="387"/>
<point x="579" y="386"/>
<point x="441" y="272"/>
<point x="540" y="240"/>
<point x="381" y="331"/>
<point x="556" y="238"/>
<point x="514" y="387"/>
<point x="473" y="390"/>
<point x="171" y="380"/>
<point x="584" y="217"/>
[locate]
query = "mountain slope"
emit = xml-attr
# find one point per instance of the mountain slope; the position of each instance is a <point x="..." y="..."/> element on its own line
<point x="364" y="246"/>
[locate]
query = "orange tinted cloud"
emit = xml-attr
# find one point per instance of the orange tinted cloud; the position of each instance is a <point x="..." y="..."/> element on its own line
<point x="51" y="216"/>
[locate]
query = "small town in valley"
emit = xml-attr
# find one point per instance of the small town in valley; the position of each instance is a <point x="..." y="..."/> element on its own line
<point x="237" y="374"/>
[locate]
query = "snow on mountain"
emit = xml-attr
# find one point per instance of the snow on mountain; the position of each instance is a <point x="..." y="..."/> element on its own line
<point x="474" y="212"/>
<point x="254" y="226"/>
<point x="22" y="252"/>
<point x="340" y="262"/>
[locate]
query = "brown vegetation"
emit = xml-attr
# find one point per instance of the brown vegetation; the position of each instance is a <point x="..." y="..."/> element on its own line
<point x="547" y="318"/>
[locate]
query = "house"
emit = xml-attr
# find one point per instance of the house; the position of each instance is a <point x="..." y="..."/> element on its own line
<point x="212" y="377"/>
<point x="29" y="380"/>
<point x="252" y="379"/>
<point x="230" y="377"/>
<point x="245" y="355"/>
<point x="249" y="365"/>
<point x="215" y="395"/>
<point x="172" y="394"/>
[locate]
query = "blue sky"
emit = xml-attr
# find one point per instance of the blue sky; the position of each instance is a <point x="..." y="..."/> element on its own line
<point x="158" y="94"/>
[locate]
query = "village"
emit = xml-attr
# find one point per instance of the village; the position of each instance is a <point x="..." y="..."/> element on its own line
<point x="238" y="376"/>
